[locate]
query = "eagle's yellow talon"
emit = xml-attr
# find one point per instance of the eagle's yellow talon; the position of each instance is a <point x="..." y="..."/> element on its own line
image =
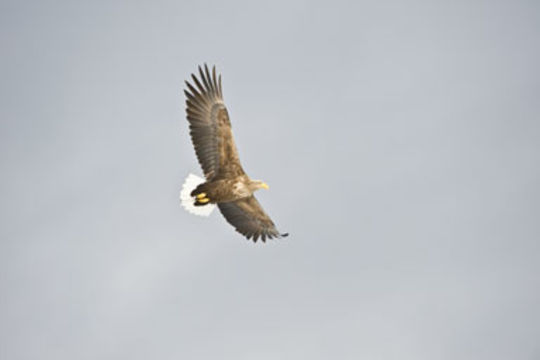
<point x="204" y="200"/>
<point x="201" y="196"/>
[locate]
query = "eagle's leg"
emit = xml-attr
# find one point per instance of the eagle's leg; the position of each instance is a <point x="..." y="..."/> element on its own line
<point x="200" y="191"/>
<point x="201" y="202"/>
<point x="201" y="199"/>
<point x="201" y="195"/>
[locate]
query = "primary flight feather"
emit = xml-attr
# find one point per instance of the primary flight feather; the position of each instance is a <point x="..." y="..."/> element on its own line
<point x="226" y="183"/>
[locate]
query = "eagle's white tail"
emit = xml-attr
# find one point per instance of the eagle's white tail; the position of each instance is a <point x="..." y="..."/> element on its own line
<point x="192" y="181"/>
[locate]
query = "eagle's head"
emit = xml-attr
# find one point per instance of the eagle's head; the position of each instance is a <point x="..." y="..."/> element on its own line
<point x="255" y="185"/>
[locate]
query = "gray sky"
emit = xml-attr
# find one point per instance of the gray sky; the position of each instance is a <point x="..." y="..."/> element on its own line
<point x="400" y="140"/>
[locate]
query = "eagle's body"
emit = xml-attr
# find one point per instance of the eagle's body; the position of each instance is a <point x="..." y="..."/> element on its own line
<point x="225" y="190"/>
<point x="226" y="185"/>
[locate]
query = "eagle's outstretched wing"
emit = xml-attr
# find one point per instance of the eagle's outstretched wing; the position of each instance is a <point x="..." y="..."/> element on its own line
<point x="210" y="127"/>
<point x="249" y="219"/>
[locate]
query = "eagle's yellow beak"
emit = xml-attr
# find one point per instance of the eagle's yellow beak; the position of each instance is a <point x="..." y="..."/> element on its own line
<point x="265" y="186"/>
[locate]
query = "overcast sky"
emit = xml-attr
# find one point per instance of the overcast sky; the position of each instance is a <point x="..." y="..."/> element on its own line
<point x="400" y="140"/>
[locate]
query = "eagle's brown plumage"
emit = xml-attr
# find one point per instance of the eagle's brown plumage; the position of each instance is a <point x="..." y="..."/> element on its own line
<point x="227" y="185"/>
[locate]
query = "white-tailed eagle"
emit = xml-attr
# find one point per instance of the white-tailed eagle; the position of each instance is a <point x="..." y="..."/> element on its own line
<point x="226" y="184"/>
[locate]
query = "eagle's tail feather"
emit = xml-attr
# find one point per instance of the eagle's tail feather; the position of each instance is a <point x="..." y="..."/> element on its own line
<point x="188" y="201"/>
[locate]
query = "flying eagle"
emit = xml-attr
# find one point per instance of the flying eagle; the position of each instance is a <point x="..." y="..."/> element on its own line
<point x="226" y="183"/>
